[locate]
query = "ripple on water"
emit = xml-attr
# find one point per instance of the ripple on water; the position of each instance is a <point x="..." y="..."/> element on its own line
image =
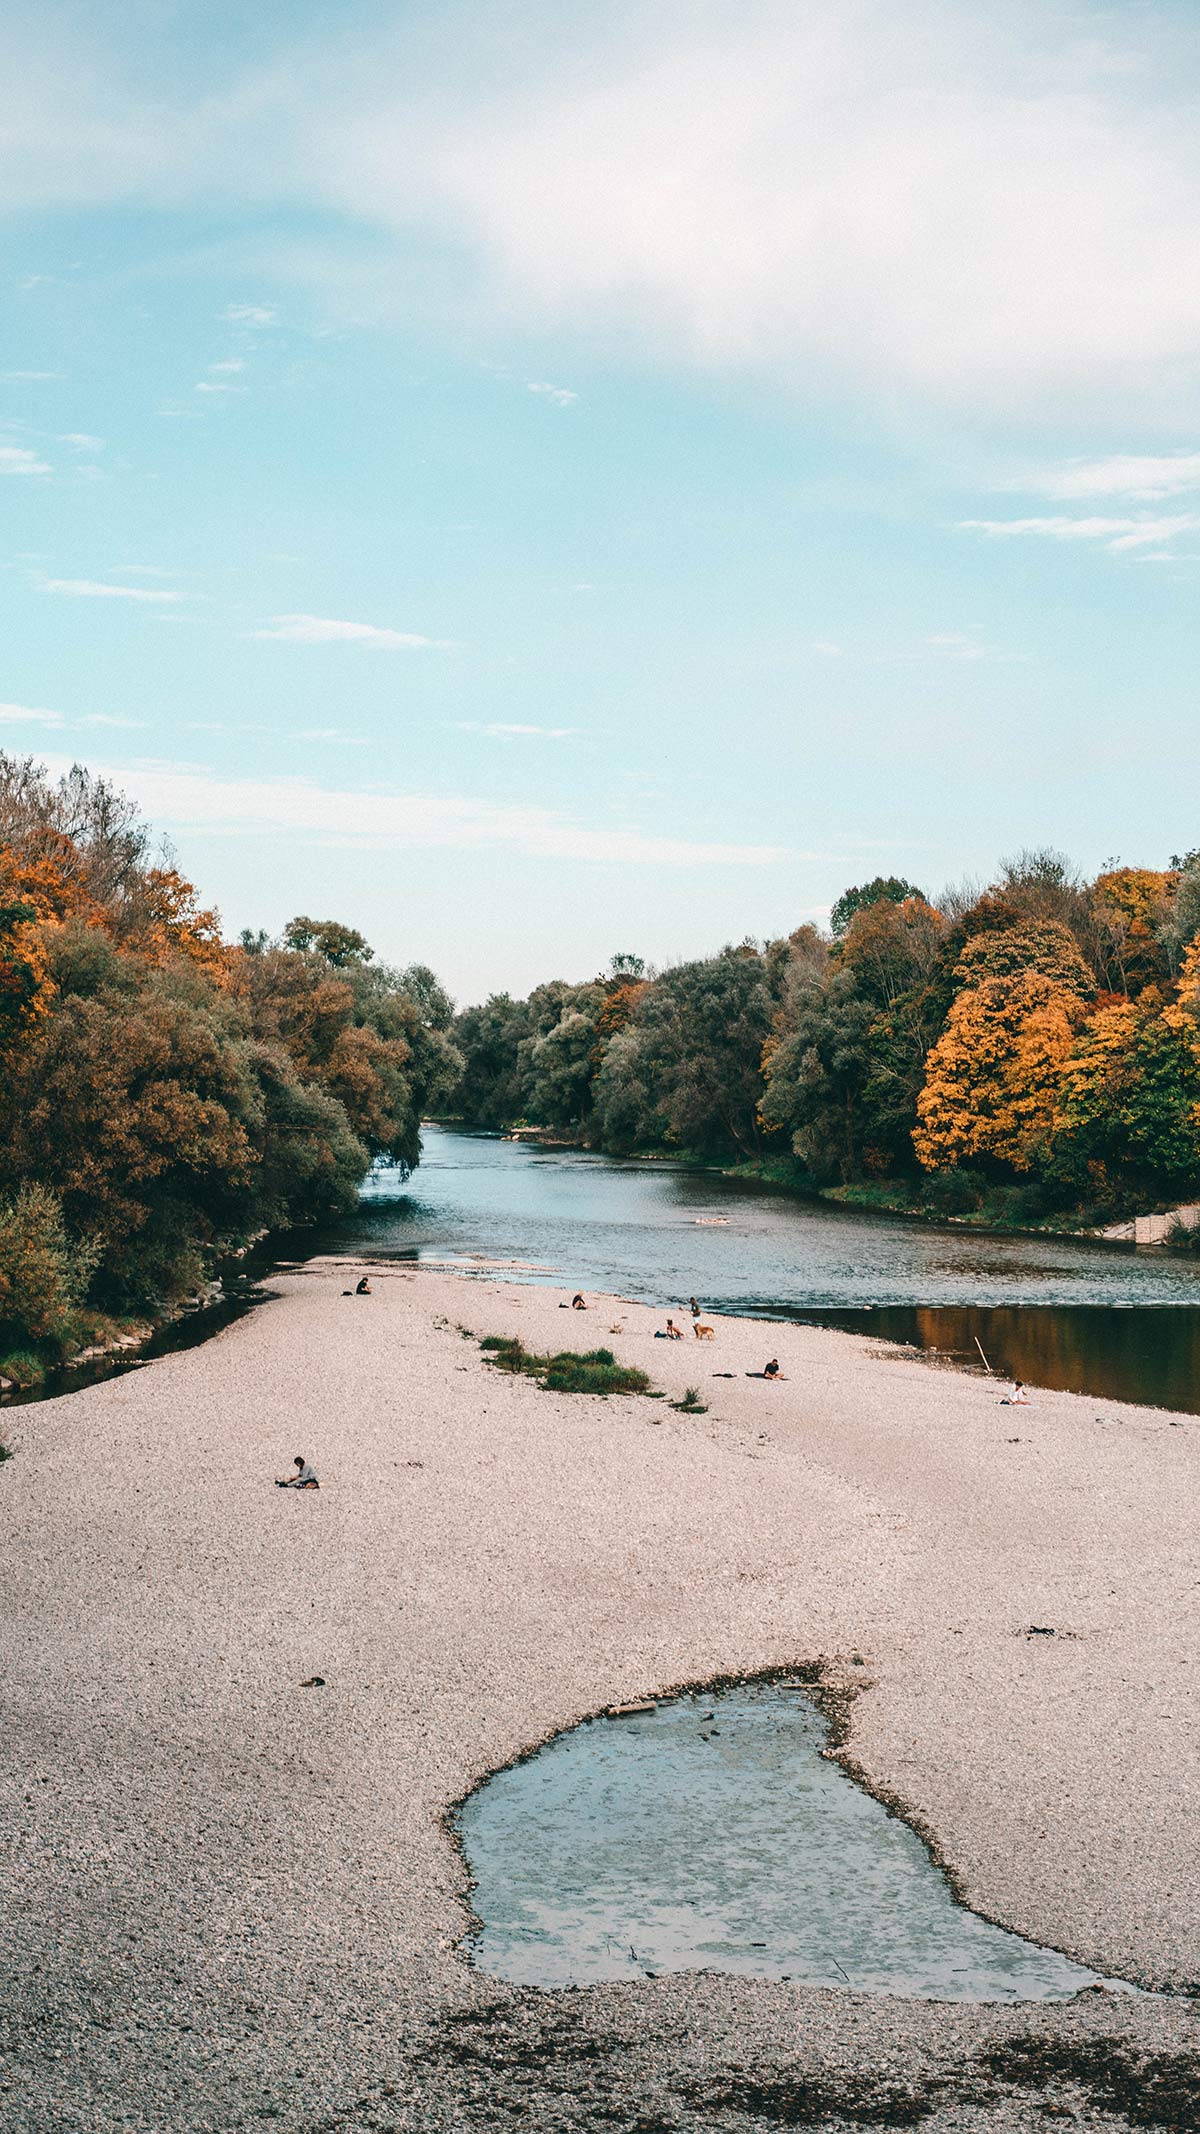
<point x="713" y="1834"/>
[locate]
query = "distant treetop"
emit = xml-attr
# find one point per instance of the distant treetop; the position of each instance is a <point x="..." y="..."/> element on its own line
<point x="885" y="889"/>
<point x="339" y="945"/>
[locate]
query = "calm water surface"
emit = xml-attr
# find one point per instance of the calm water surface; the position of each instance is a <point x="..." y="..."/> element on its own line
<point x="1103" y="1319"/>
<point x="712" y="1834"/>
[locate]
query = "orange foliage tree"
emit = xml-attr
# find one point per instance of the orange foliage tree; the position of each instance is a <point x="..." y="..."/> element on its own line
<point x="992" y="1080"/>
<point x="1130" y="906"/>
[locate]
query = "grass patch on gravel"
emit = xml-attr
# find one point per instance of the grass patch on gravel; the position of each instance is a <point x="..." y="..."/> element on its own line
<point x="567" y="1371"/>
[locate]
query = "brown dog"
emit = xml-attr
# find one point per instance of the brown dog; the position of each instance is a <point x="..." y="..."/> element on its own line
<point x="702" y="1333"/>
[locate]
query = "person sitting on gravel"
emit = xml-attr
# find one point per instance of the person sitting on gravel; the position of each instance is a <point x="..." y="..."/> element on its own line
<point x="579" y="1302"/>
<point x="363" y="1289"/>
<point x="305" y="1478"/>
<point x="772" y="1370"/>
<point x="672" y="1334"/>
<point x="1016" y="1397"/>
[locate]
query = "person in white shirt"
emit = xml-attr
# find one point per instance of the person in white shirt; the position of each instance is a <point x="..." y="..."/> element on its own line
<point x="1016" y="1397"/>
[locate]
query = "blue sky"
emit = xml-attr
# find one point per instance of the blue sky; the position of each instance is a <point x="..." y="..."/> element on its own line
<point x="534" y="489"/>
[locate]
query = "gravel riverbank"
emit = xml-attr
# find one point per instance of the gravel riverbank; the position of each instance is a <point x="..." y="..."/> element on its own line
<point x="231" y="1900"/>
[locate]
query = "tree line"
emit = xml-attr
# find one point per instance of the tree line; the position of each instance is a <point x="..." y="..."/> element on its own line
<point x="166" y="1096"/>
<point x="1028" y="1046"/>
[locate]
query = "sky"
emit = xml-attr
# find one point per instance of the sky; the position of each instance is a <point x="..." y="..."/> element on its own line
<point x="538" y="483"/>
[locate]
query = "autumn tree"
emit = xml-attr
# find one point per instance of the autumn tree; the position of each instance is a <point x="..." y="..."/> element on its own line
<point x="1128" y="1113"/>
<point x="1131" y="910"/>
<point x="993" y="1079"/>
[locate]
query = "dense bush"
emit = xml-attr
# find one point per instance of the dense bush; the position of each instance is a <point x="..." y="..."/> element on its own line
<point x="43" y="1274"/>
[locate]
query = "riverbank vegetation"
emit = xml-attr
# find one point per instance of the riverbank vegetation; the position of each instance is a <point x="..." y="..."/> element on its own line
<point x="166" y="1096"/>
<point x="1024" y="1052"/>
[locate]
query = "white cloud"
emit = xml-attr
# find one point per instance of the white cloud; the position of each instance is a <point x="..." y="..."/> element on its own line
<point x="991" y="207"/>
<point x="1118" y="535"/>
<point x="323" y="630"/>
<point x="26" y="714"/>
<point x="93" y="589"/>
<point x="1145" y="477"/>
<point x="185" y="798"/>
<point x="921" y="198"/>
<point x="500" y="730"/>
<point x="962" y="644"/>
<point x="16" y="377"/>
<point x="216" y="385"/>
<point x="231" y="365"/>
<point x="80" y="441"/>
<point x="18" y="459"/>
<point x="561" y="395"/>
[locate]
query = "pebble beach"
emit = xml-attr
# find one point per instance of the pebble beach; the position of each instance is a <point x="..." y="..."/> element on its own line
<point x="231" y="1894"/>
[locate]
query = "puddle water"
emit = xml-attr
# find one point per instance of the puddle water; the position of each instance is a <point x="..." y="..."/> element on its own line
<point x="712" y="1834"/>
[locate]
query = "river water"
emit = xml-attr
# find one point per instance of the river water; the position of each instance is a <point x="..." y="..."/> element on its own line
<point x="1110" y="1320"/>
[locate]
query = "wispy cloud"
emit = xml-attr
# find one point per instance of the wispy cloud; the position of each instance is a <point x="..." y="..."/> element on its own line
<point x="96" y="589"/>
<point x="18" y="459"/>
<point x="1143" y="477"/>
<point x="1118" y="535"/>
<point x="20" y="377"/>
<point x="81" y="441"/>
<point x="29" y="715"/>
<point x="499" y="729"/>
<point x="184" y="797"/>
<point x="325" y="630"/>
<point x="250" y="315"/>
<point x="142" y="570"/>
<point x="561" y="395"/>
<point x="216" y="385"/>
<point x="231" y="365"/>
<point x="965" y="645"/>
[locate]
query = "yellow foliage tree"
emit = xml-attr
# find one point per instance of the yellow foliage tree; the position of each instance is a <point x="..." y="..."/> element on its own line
<point x="992" y="1080"/>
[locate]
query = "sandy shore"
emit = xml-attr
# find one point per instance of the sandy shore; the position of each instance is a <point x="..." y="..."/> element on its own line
<point x="231" y="1901"/>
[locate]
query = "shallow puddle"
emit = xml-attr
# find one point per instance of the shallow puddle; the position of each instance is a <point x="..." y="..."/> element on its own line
<point x="712" y="1834"/>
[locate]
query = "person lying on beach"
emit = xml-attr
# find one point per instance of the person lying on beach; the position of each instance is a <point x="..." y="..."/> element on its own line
<point x="305" y="1478"/>
<point x="1017" y="1397"/>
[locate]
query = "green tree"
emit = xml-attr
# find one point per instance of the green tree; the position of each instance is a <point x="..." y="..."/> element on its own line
<point x="687" y="1068"/>
<point x="885" y="888"/>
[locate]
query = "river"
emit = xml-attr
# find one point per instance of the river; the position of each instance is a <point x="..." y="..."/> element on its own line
<point x="1108" y="1320"/>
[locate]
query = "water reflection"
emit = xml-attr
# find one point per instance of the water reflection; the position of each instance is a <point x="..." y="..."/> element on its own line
<point x="1147" y="1353"/>
<point x="1042" y="1306"/>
